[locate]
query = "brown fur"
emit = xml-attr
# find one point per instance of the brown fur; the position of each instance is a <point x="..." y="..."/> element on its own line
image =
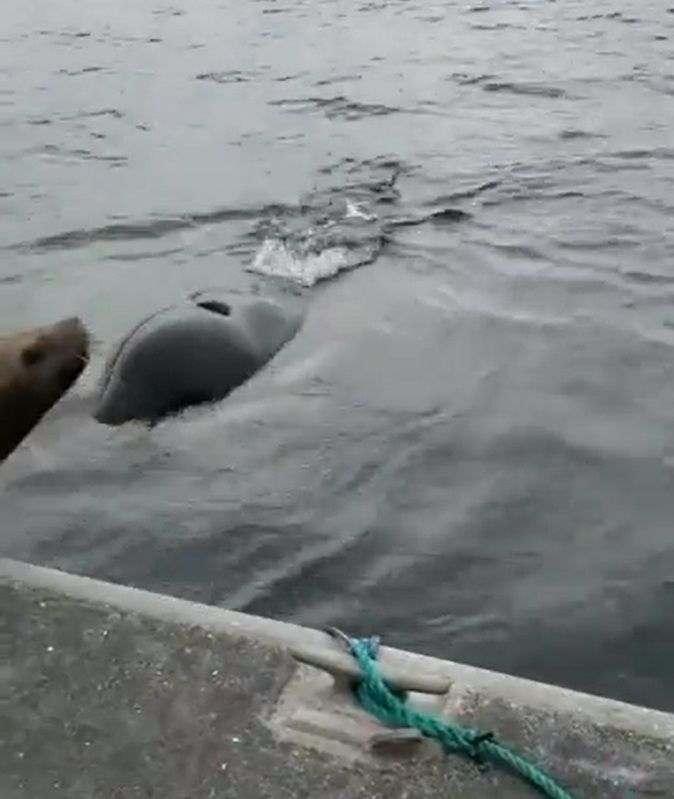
<point x="37" y="367"/>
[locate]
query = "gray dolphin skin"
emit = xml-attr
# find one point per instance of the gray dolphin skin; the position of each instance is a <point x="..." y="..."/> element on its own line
<point x="192" y="353"/>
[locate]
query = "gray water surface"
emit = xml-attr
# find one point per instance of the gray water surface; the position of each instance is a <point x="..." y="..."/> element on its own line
<point x="469" y="447"/>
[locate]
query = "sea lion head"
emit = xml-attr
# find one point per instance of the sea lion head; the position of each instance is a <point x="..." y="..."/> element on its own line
<point x="37" y="367"/>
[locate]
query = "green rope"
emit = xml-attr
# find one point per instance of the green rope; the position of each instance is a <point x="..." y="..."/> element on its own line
<point x="389" y="707"/>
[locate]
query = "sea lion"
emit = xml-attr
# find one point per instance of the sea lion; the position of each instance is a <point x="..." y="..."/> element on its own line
<point x="37" y="367"/>
<point x="193" y="353"/>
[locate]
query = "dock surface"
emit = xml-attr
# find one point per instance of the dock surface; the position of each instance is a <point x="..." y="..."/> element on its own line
<point x="115" y="692"/>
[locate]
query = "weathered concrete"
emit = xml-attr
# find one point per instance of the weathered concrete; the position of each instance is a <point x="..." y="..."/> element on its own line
<point x="115" y="692"/>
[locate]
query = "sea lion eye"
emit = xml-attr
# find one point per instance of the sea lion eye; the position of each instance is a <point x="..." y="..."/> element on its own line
<point x="33" y="354"/>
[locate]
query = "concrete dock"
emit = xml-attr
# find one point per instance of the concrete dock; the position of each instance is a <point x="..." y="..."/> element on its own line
<point x="115" y="692"/>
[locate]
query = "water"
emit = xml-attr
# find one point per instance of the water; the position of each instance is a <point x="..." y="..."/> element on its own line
<point x="469" y="448"/>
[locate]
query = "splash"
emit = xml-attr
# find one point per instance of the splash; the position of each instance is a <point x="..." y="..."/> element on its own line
<point x="330" y="235"/>
<point x="275" y="258"/>
<point x="355" y="211"/>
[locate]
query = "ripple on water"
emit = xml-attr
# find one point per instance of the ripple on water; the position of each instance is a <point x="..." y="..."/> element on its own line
<point x="227" y="76"/>
<point x="339" y="107"/>
<point x="468" y="446"/>
<point x="529" y="89"/>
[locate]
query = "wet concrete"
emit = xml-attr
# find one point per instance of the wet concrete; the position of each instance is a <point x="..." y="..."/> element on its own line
<point x="115" y="692"/>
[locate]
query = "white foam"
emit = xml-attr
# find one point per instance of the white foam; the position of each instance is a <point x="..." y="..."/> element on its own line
<point x="275" y="259"/>
<point x="355" y="211"/>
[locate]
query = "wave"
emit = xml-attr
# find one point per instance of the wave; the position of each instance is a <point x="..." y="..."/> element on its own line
<point x="145" y="228"/>
<point x="332" y="229"/>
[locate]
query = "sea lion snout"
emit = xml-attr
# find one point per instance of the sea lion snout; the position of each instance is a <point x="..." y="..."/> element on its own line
<point x="36" y="368"/>
<point x="57" y="355"/>
<point x="75" y="335"/>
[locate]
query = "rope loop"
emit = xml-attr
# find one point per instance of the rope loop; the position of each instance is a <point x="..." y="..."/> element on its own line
<point x="391" y="709"/>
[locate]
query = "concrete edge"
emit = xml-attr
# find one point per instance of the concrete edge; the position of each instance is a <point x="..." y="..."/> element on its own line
<point x="462" y="680"/>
